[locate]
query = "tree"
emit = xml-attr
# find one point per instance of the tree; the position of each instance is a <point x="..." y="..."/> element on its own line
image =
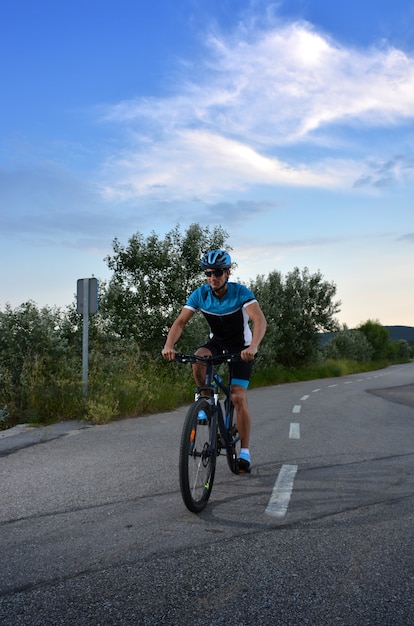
<point x="28" y="334"/>
<point x="152" y="279"/>
<point x="297" y="309"/>
<point x="379" y="338"/>
<point x="348" y="344"/>
<point x="269" y="293"/>
<point x="398" y="350"/>
<point x="33" y="353"/>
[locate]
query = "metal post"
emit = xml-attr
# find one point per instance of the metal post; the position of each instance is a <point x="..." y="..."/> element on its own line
<point x="85" y="337"/>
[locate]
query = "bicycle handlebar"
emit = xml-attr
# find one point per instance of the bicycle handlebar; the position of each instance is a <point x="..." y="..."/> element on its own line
<point x="218" y="358"/>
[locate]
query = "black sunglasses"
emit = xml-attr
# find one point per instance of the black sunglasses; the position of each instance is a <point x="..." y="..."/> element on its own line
<point x="216" y="273"/>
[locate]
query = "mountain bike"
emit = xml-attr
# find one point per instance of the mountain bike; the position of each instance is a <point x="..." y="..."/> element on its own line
<point x="209" y="428"/>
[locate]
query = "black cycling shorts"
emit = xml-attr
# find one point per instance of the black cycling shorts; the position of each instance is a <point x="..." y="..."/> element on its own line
<point x="241" y="371"/>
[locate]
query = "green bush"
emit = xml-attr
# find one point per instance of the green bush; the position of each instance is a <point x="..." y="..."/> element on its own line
<point x="348" y="344"/>
<point x="41" y="349"/>
<point x="378" y="337"/>
<point x="102" y="410"/>
<point x="4" y="418"/>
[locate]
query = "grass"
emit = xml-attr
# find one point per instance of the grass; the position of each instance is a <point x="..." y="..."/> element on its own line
<point x="329" y="368"/>
<point x="136" y="388"/>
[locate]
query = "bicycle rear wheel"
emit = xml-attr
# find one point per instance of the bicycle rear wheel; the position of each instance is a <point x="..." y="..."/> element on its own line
<point x="233" y="448"/>
<point x="198" y="455"/>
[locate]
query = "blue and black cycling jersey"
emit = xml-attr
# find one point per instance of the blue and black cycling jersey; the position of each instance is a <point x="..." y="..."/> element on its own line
<point x="226" y="316"/>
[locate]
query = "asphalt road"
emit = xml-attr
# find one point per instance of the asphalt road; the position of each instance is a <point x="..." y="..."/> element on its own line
<point x="94" y="531"/>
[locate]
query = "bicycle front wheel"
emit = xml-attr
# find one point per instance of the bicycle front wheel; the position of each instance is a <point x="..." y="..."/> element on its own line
<point x="198" y="455"/>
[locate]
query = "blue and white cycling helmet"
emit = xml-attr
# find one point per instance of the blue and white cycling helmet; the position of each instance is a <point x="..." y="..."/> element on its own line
<point x="216" y="259"/>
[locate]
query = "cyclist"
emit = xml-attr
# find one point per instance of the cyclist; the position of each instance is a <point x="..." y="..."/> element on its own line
<point x="227" y="307"/>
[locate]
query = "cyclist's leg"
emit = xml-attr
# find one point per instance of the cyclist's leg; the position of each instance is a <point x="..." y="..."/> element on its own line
<point x="244" y="421"/>
<point x="243" y="416"/>
<point x="199" y="369"/>
<point x="239" y="383"/>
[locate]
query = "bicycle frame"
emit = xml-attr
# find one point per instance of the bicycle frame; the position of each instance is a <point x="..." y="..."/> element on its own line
<point x="206" y="431"/>
<point x="213" y="384"/>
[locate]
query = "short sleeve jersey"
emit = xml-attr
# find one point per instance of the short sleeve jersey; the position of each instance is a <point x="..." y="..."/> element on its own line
<point x="226" y="316"/>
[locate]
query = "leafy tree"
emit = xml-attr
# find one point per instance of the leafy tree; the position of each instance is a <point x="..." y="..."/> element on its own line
<point x="269" y="293"/>
<point x="152" y="278"/>
<point x="399" y="350"/>
<point x="297" y="309"/>
<point x="33" y="352"/>
<point x="28" y="333"/>
<point x="348" y="344"/>
<point x="379" y="338"/>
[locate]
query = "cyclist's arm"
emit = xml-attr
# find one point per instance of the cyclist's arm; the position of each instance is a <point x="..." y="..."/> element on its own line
<point x="168" y="351"/>
<point x="259" y="328"/>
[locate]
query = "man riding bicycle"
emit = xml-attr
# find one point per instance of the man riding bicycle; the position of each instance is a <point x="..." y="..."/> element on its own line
<point x="227" y="307"/>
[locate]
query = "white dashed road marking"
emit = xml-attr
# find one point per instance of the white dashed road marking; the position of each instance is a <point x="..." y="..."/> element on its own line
<point x="294" y="431"/>
<point x="282" y="490"/>
<point x="280" y="498"/>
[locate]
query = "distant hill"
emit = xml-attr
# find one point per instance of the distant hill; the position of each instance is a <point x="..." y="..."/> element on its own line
<point x="401" y="332"/>
<point x="396" y="334"/>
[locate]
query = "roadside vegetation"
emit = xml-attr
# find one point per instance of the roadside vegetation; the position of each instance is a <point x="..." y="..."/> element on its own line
<point x="41" y="348"/>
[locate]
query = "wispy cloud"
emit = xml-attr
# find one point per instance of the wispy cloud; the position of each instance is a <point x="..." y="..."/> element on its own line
<point x="385" y="173"/>
<point x="261" y="95"/>
<point x="408" y="237"/>
<point x="190" y="162"/>
<point x="265" y="109"/>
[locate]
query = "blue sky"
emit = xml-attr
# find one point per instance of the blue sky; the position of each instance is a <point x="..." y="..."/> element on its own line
<point x="290" y="124"/>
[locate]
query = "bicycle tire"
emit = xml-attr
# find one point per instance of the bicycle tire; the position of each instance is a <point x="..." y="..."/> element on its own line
<point x="198" y="454"/>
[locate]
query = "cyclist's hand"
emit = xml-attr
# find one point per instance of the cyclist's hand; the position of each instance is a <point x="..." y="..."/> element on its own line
<point x="248" y="353"/>
<point x="168" y="353"/>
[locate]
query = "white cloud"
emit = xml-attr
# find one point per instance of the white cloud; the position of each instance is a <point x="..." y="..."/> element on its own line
<point x="297" y="76"/>
<point x="234" y="122"/>
<point x="197" y="162"/>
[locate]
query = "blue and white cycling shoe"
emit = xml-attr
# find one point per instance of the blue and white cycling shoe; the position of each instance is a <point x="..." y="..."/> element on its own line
<point x="202" y="417"/>
<point x="244" y="462"/>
